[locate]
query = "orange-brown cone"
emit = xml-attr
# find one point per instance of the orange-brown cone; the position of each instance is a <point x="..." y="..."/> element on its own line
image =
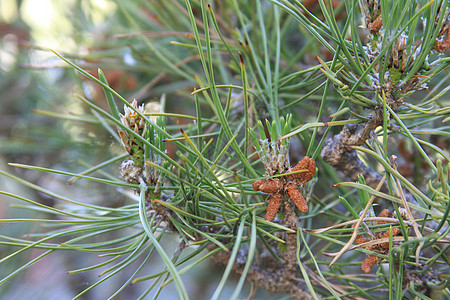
<point x="384" y="214"/>
<point x="256" y="184"/>
<point x="369" y="262"/>
<point x="271" y="186"/>
<point x="272" y="207"/>
<point x="395" y="231"/>
<point x="297" y="198"/>
<point x="360" y="239"/>
<point x="375" y="26"/>
<point x="442" y="46"/>
<point x="307" y="164"/>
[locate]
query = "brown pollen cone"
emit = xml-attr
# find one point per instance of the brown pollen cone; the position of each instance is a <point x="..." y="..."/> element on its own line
<point x="375" y="26"/>
<point x="271" y="186"/>
<point x="383" y="248"/>
<point x="256" y="184"/>
<point x="272" y="207"/>
<point x="297" y="197"/>
<point x="369" y="262"/>
<point x="385" y="245"/>
<point x="360" y="239"/>
<point x="383" y="214"/>
<point x="307" y="164"/>
<point x="442" y="46"/>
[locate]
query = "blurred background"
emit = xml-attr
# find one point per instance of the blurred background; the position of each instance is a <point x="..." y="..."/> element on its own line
<point x="38" y="126"/>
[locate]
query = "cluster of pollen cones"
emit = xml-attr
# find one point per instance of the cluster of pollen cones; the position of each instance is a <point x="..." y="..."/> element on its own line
<point x="286" y="184"/>
<point x="381" y="248"/>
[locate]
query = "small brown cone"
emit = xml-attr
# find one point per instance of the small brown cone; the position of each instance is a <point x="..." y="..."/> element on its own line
<point x="271" y="186"/>
<point x="297" y="198"/>
<point x="272" y="207"/>
<point x="360" y="239"/>
<point x="385" y="245"/>
<point x="375" y="26"/>
<point x="307" y="164"/>
<point x="256" y="184"/>
<point x="442" y="46"/>
<point x="369" y="262"/>
<point x="383" y="214"/>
